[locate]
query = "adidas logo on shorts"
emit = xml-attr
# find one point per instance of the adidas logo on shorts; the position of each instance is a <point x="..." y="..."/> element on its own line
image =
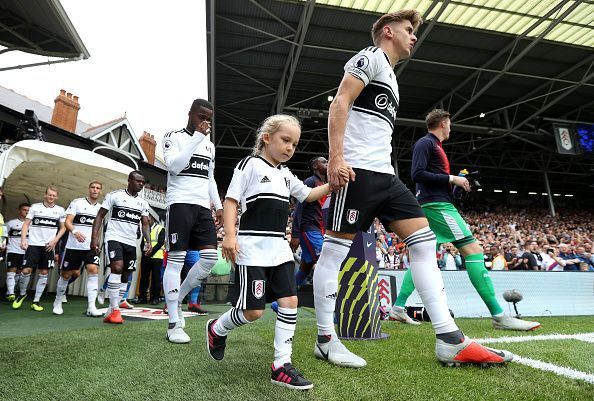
<point x="264" y="180"/>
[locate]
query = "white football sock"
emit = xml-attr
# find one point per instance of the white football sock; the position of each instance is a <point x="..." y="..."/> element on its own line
<point x="41" y="283"/>
<point x="171" y="281"/>
<point x="284" y="330"/>
<point x="24" y="284"/>
<point x="113" y="290"/>
<point x="10" y="282"/>
<point x="198" y="272"/>
<point x="123" y="288"/>
<point x="228" y="321"/>
<point x="325" y="282"/>
<point x="92" y="288"/>
<point x="428" y="281"/>
<point x="61" y="288"/>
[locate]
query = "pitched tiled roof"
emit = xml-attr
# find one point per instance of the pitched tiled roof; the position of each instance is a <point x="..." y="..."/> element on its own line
<point x="20" y="103"/>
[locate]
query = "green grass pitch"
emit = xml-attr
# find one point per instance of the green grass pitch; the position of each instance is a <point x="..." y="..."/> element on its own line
<point x="72" y="357"/>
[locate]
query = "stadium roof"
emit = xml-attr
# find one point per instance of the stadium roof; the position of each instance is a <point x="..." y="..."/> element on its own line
<point x="505" y="16"/>
<point x="504" y="90"/>
<point x="39" y="27"/>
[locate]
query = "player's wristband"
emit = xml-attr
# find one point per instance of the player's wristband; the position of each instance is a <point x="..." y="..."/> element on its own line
<point x="451" y="179"/>
<point x="75" y="231"/>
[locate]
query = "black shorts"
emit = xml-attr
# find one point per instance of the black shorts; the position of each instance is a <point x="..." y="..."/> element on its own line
<point x="36" y="257"/>
<point x="189" y="227"/>
<point x="254" y="286"/>
<point x="14" y="260"/>
<point x="74" y="258"/>
<point x="371" y="195"/>
<point x="118" y="251"/>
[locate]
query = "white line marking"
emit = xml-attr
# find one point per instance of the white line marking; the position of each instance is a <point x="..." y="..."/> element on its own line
<point x="549" y="367"/>
<point x="588" y="337"/>
<point x="558" y="370"/>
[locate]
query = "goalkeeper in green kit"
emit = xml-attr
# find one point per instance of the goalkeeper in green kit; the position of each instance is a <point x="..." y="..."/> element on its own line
<point x="430" y="172"/>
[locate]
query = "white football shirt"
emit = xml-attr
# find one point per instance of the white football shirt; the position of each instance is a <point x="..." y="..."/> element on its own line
<point x="45" y="222"/>
<point x="13" y="244"/>
<point x="84" y="214"/>
<point x="371" y="120"/>
<point x="126" y="213"/>
<point x="194" y="184"/>
<point x="263" y="192"/>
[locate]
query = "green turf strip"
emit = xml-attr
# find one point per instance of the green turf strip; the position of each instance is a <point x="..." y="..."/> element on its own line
<point x="135" y="362"/>
<point x="25" y="321"/>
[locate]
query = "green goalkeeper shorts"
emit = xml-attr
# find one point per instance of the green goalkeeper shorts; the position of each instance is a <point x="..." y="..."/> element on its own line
<point x="447" y="224"/>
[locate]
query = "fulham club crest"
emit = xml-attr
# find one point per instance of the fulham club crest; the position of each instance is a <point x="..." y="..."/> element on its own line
<point x="173" y="237"/>
<point x="352" y="216"/>
<point x="258" y="288"/>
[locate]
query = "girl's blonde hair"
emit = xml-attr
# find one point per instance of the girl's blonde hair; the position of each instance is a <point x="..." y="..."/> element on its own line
<point x="270" y="126"/>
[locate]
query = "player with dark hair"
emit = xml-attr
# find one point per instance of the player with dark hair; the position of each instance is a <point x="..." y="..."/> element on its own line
<point x="128" y="212"/>
<point x="308" y="223"/>
<point x="431" y="173"/>
<point x="191" y="187"/>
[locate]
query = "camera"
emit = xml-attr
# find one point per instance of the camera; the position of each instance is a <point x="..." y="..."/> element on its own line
<point x="29" y="127"/>
<point x="473" y="179"/>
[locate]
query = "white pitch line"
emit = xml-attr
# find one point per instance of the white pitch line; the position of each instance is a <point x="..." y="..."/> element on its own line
<point x="588" y="337"/>
<point x="549" y="367"/>
<point x="558" y="370"/>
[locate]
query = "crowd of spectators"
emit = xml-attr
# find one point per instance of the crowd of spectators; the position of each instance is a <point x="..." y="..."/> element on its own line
<point x="513" y="239"/>
<point x="155" y="188"/>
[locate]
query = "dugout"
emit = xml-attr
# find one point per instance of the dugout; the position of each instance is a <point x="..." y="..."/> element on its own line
<point x="32" y="165"/>
<point x="36" y="164"/>
<point x="29" y="166"/>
